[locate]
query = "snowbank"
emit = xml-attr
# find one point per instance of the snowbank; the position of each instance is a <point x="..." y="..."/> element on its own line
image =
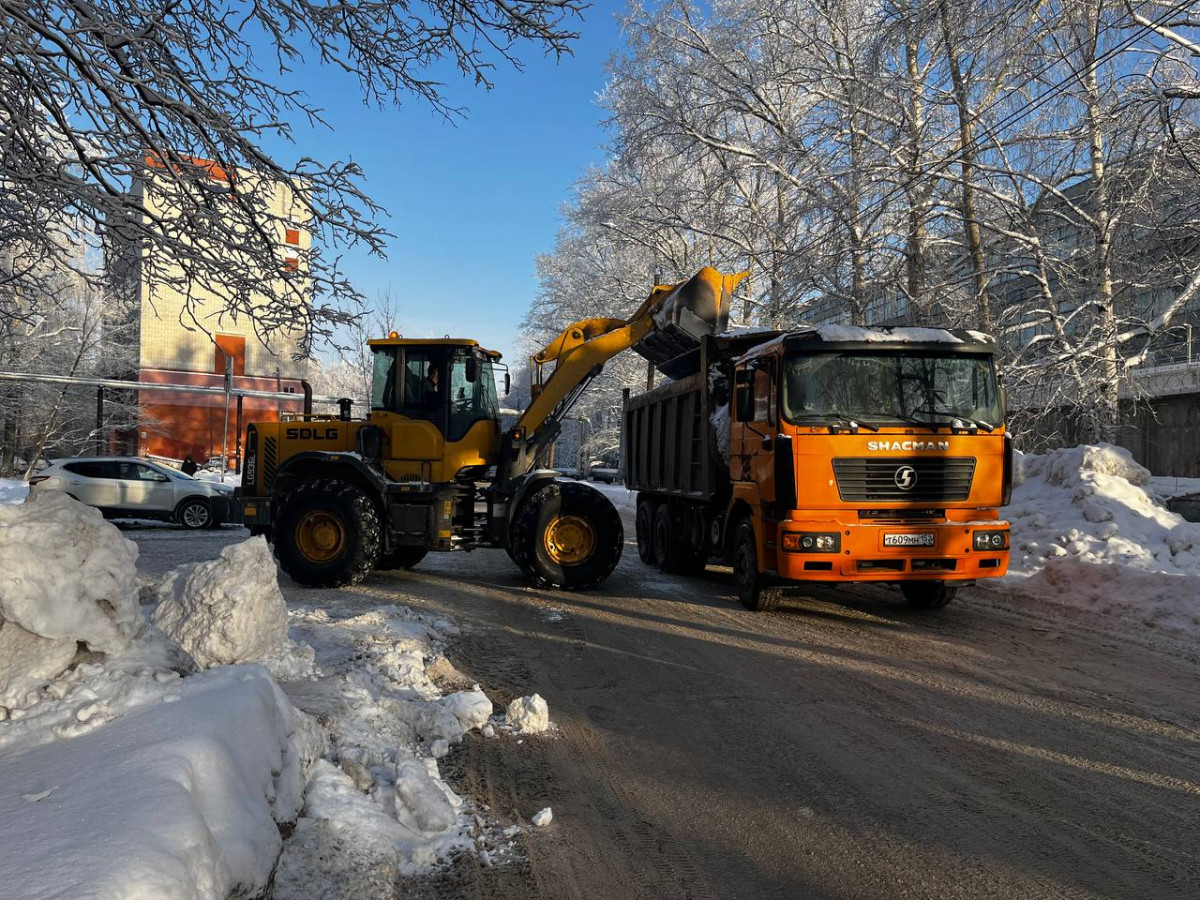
<point x="1087" y="533"/>
<point x="227" y="610"/>
<point x="68" y="574"/>
<point x="176" y="799"/>
<point x="379" y="806"/>
<point x="13" y="491"/>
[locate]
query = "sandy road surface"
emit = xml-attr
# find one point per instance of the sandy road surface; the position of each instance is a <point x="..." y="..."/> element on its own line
<point x="844" y="746"/>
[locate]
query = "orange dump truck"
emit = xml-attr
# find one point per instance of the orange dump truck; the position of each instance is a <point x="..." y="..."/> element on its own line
<point x="836" y="454"/>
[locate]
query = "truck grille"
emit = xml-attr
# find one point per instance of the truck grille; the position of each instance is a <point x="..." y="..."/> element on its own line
<point x="915" y="479"/>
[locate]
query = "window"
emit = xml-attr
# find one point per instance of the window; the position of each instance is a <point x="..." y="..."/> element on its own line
<point x="131" y="471"/>
<point x="292" y="264"/>
<point x="92" y="469"/>
<point x="471" y="402"/>
<point x="291" y="236"/>
<point x="230" y="346"/>
<point x="762" y="394"/>
<point x="924" y="388"/>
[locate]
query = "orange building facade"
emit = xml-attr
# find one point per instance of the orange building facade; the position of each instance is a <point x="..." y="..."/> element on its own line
<point x="176" y="425"/>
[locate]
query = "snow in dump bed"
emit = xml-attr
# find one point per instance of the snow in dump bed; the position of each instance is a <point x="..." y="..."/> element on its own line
<point x="891" y="335"/>
<point x="67" y="573"/>
<point x="1087" y="533"/>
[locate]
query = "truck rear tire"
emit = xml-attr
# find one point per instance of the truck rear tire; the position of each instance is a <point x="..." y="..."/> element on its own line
<point x="927" y="594"/>
<point x="668" y="551"/>
<point x="645" y="532"/>
<point x="327" y="534"/>
<point x="401" y="558"/>
<point x="567" y="535"/>
<point x="751" y="585"/>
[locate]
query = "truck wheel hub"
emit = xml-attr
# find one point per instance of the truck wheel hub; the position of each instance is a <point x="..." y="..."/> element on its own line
<point x="569" y="540"/>
<point x="320" y="535"/>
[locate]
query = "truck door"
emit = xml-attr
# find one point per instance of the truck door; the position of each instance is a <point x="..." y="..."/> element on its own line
<point x="754" y="428"/>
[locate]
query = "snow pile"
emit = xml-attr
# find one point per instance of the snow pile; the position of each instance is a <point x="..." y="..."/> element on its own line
<point x="1087" y="533"/>
<point x="529" y="715"/>
<point x="13" y="491"/>
<point x="68" y="576"/>
<point x="142" y="784"/>
<point x="227" y="610"/>
<point x="543" y="817"/>
<point x="380" y="807"/>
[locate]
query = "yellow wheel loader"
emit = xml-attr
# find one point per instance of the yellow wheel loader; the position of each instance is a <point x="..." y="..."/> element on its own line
<point x="430" y="467"/>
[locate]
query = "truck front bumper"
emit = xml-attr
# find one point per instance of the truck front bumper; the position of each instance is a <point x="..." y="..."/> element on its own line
<point x="945" y="551"/>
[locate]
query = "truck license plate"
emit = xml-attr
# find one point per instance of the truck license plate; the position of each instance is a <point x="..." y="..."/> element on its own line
<point x="920" y="539"/>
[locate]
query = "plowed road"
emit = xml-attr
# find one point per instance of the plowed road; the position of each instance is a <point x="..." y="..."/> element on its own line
<point x="843" y="746"/>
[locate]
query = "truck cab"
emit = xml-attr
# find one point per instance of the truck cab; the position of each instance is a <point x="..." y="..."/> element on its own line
<point x="860" y="459"/>
<point x="835" y="454"/>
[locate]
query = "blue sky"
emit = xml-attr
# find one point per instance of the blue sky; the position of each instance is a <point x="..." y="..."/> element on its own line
<point x="472" y="201"/>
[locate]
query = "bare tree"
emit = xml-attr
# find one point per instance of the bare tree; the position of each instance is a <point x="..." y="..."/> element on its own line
<point x="100" y="97"/>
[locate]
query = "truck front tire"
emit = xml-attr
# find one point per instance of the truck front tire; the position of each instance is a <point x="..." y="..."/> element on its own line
<point x="567" y="535"/>
<point x="327" y="534"/>
<point x="927" y="594"/>
<point x="751" y="585"/>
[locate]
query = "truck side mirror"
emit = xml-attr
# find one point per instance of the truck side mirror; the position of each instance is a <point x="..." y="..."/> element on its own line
<point x="507" y="384"/>
<point x="472" y="371"/>
<point x="743" y="377"/>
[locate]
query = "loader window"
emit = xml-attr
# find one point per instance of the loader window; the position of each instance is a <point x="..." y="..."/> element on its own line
<point x="471" y="401"/>
<point x="383" y="378"/>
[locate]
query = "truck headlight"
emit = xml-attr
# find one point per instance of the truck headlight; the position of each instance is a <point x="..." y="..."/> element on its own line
<point x="812" y="542"/>
<point x="991" y="540"/>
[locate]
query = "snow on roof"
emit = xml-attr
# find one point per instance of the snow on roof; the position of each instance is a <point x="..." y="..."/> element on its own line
<point x="854" y="333"/>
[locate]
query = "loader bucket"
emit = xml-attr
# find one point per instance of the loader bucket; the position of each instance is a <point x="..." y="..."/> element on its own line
<point x="685" y="314"/>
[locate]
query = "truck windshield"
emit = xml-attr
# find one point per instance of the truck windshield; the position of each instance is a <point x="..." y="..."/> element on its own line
<point x="878" y="387"/>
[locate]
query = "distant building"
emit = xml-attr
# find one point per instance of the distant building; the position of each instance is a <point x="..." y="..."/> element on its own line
<point x="190" y="345"/>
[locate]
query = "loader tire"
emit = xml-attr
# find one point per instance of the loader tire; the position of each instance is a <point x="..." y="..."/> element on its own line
<point x="567" y="536"/>
<point x="645" y="532"/>
<point x="927" y="594"/>
<point x="401" y="558"/>
<point x="327" y="534"/>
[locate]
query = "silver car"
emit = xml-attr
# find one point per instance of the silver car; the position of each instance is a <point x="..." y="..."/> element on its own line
<point x="125" y="486"/>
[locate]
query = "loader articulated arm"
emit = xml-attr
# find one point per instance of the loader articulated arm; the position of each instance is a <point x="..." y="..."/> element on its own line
<point x="670" y="320"/>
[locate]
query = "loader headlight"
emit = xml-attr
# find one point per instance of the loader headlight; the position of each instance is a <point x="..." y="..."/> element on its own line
<point x="812" y="542"/>
<point x="991" y="540"/>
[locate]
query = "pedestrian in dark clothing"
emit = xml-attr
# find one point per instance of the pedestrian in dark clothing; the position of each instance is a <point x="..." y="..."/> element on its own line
<point x="189" y="466"/>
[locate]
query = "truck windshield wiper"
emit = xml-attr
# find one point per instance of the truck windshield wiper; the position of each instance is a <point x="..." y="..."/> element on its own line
<point x="978" y="423"/>
<point x="840" y="421"/>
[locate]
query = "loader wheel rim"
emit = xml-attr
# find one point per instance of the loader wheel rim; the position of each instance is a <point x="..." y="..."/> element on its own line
<point x="320" y="535"/>
<point x="569" y="540"/>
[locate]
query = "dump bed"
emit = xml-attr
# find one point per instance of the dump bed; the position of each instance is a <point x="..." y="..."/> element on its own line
<point x="676" y="438"/>
<point x="669" y="445"/>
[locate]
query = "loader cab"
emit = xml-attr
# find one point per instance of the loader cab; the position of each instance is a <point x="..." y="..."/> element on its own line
<point x="438" y="401"/>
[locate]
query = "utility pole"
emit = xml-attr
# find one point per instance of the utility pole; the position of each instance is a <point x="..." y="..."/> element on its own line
<point x="225" y="430"/>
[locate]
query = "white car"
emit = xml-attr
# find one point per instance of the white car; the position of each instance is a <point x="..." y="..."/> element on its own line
<point x="137" y="488"/>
